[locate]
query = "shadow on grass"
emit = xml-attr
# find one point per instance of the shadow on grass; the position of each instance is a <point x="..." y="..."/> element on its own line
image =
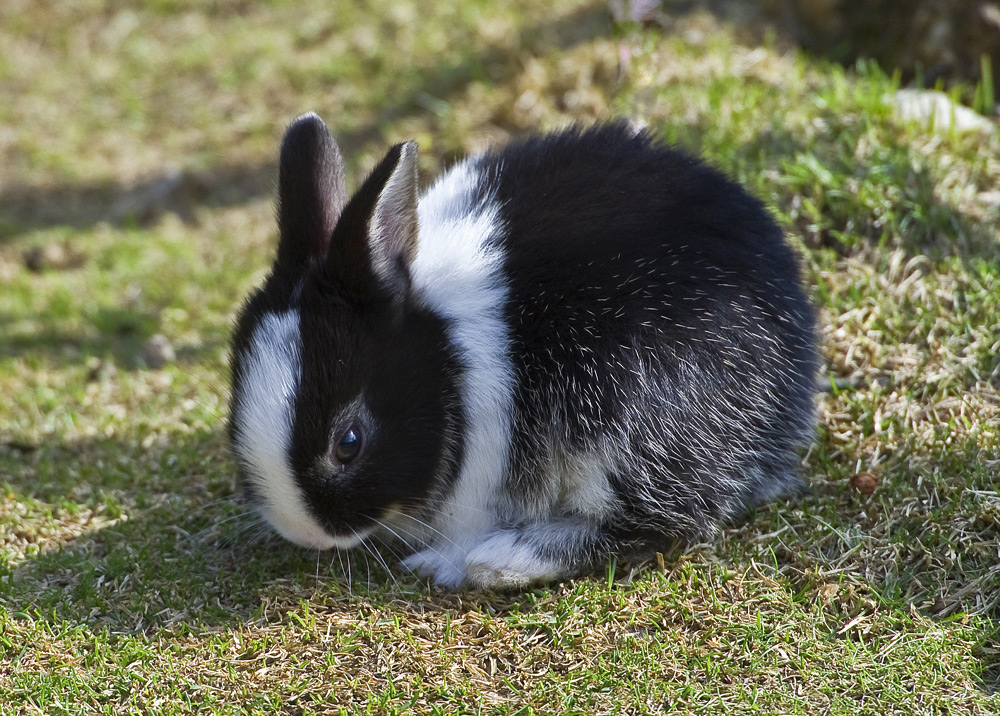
<point x="111" y="335"/>
<point x="186" y="560"/>
<point x="118" y="334"/>
<point x="896" y="35"/>
<point x="162" y="545"/>
<point x="25" y="207"/>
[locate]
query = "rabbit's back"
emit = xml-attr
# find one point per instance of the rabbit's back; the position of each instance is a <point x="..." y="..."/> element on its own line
<point x="660" y="344"/>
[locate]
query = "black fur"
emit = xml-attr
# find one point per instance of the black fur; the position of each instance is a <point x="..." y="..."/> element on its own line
<point x="654" y="304"/>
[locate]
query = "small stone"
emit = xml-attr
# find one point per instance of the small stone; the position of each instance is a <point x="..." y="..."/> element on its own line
<point x="938" y="110"/>
<point x="52" y="256"/>
<point x="157" y="352"/>
<point x="100" y="370"/>
<point x="864" y="482"/>
<point x="47" y="256"/>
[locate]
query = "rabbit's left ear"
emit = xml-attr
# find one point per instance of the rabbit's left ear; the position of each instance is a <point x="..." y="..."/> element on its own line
<point x="311" y="193"/>
<point x="376" y="239"/>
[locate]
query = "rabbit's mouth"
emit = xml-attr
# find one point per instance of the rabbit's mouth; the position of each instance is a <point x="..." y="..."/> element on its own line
<point x="309" y="534"/>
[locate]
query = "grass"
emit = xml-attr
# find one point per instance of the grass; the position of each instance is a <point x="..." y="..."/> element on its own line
<point x="138" y="143"/>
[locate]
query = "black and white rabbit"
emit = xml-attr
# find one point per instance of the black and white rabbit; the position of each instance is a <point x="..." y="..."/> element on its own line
<point x="585" y="344"/>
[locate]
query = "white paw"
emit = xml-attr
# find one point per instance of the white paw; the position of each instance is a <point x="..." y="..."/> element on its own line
<point x="445" y="568"/>
<point x="501" y="562"/>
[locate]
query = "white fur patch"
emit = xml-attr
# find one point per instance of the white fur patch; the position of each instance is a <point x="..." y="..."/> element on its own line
<point x="458" y="274"/>
<point x="446" y="568"/>
<point x="505" y="562"/>
<point x="583" y="485"/>
<point x="264" y="419"/>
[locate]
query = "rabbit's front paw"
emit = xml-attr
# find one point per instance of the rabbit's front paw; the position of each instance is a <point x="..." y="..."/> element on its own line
<point x="505" y="562"/>
<point x="443" y="567"/>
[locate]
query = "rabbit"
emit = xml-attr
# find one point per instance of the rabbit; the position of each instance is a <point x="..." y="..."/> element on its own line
<point x="586" y="345"/>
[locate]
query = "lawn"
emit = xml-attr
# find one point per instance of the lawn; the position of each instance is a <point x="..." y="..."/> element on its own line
<point x="137" y="165"/>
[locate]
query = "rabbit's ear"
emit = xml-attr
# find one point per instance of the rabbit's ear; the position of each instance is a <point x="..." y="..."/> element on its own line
<point x="311" y="192"/>
<point x="376" y="239"/>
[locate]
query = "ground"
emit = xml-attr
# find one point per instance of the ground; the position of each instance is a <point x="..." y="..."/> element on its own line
<point x="137" y="150"/>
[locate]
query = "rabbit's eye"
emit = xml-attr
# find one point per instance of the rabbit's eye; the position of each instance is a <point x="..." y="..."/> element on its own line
<point x="349" y="445"/>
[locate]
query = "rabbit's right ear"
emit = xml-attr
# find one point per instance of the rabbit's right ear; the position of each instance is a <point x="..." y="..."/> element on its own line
<point x="311" y="192"/>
